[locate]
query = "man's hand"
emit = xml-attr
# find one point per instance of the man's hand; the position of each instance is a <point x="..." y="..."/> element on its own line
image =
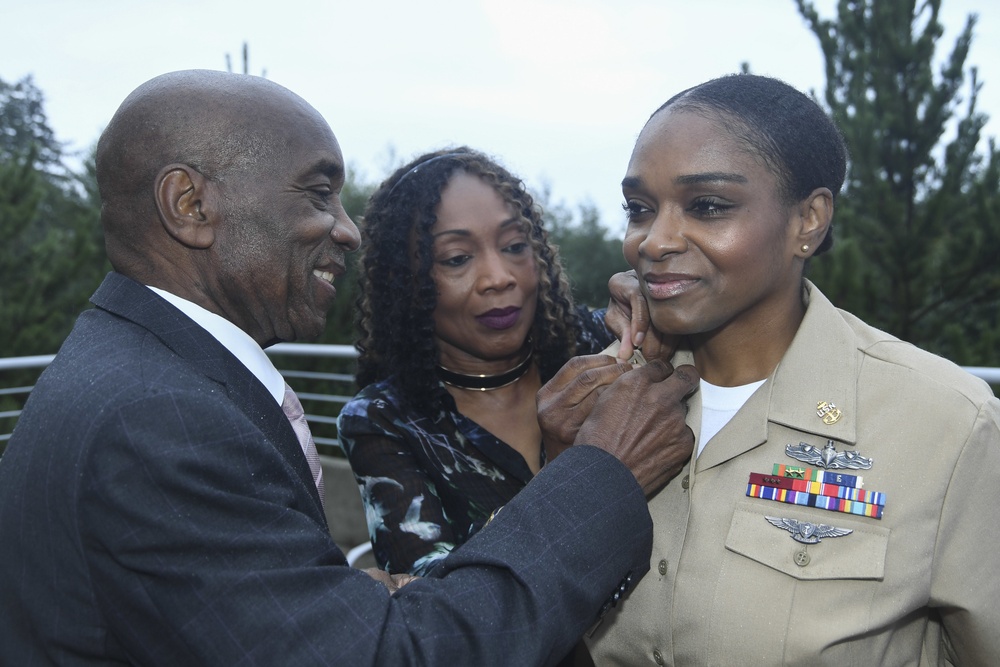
<point x="640" y="419"/>
<point x="565" y="401"/>
<point x="628" y="319"/>
<point x="391" y="581"/>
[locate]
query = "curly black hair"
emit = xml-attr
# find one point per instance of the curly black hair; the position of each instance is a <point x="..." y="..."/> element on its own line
<point x="398" y="296"/>
<point x="782" y="126"/>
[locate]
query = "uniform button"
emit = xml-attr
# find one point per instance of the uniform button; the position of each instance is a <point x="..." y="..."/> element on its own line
<point x="662" y="567"/>
<point x="657" y="656"/>
<point x="802" y="558"/>
<point x="686" y="482"/>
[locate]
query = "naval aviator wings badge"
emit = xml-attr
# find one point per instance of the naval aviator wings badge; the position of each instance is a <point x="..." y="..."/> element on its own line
<point x="828" y="457"/>
<point x="806" y="532"/>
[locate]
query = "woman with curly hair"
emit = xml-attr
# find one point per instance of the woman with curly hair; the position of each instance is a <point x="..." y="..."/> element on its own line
<point x="464" y="314"/>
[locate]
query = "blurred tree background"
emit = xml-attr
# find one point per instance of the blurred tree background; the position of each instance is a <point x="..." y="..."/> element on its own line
<point x="917" y="227"/>
<point x="53" y="252"/>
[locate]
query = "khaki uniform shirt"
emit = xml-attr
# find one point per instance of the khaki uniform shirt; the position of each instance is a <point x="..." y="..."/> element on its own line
<point x="918" y="587"/>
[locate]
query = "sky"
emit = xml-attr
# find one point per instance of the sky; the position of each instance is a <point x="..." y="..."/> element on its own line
<point x="557" y="90"/>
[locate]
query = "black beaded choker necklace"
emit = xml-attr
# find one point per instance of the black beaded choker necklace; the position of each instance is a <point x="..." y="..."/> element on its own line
<point x="486" y="382"/>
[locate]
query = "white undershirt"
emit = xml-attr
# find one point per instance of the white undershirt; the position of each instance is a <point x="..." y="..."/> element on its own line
<point x="719" y="405"/>
<point x="233" y="339"/>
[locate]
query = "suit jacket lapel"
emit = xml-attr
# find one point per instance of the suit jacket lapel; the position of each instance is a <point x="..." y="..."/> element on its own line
<point x="130" y="300"/>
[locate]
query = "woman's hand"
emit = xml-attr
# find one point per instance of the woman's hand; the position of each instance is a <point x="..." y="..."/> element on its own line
<point x="391" y="581"/>
<point x="628" y="319"/>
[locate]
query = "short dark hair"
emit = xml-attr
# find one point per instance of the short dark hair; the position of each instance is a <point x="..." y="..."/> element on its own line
<point x="396" y="302"/>
<point x="785" y="128"/>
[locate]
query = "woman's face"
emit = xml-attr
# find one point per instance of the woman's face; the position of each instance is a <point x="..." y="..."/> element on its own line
<point x="708" y="234"/>
<point x="486" y="277"/>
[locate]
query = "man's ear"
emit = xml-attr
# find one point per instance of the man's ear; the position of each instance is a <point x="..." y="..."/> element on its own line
<point x="181" y="193"/>
<point x="815" y="213"/>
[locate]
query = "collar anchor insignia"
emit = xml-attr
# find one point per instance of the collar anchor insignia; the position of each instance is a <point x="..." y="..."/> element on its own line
<point x="806" y="532"/>
<point x="828" y="412"/>
<point x="828" y="457"/>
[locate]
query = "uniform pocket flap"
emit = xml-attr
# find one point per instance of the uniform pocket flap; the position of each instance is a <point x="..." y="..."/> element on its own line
<point x="859" y="554"/>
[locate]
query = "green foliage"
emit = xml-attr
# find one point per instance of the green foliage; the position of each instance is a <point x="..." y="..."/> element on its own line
<point x="24" y="129"/>
<point x="49" y="219"/>
<point x="588" y="255"/>
<point x="918" y="225"/>
<point x="340" y="323"/>
<point x="53" y="250"/>
<point x="52" y="261"/>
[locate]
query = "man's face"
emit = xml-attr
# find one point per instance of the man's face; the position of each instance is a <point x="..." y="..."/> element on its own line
<point x="285" y="232"/>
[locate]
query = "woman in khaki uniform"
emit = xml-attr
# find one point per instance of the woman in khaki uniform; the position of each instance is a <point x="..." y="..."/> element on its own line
<point x="729" y="191"/>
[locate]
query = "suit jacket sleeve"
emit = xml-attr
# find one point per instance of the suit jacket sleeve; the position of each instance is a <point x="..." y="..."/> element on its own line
<point x="201" y="550"/>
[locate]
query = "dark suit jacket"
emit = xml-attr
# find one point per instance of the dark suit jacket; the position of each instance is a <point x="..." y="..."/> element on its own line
<point x="155" y="508"/>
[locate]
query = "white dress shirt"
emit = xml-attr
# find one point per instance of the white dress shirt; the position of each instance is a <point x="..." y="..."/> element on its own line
<point x="719" y="405"/>
<point x="233" y="339"/>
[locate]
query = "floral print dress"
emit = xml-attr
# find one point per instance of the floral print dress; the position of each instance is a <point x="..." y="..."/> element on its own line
<point x="430" y="481"/>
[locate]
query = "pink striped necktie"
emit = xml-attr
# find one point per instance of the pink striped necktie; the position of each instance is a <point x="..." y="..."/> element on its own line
<point x="296" y="416"/>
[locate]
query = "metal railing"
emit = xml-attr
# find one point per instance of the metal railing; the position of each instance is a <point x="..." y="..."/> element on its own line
<point x="322" y="392"/>
<point x="990" y="375"/>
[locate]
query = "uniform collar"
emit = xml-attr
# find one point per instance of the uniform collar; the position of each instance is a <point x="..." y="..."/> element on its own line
<point x="821" y="364"/>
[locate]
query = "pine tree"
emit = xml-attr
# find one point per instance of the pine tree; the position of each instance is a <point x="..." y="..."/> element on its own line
<point x="24" y="127"/>
<point x="917" y="227"/>
<point x="53" y="254"/>
<point x="589" y="257"/>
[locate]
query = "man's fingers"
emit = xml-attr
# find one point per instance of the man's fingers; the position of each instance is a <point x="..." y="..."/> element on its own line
<point x="675" y="382"/>
<point x="687" y="378"/>
<point x="656" y="370"/>
<point x="641" y="420"/>
<point x="573" y="369"/>
<point x="584" y="388"/>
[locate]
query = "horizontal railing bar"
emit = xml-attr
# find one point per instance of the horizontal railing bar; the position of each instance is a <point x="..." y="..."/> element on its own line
<point x="314" y="350"/>
<point x="313" y="375"/>
<point x="329" y="398"/>
<point x="990" y="375"/>
<point x="321" y="419"/>
<point x="13" y="363"/>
